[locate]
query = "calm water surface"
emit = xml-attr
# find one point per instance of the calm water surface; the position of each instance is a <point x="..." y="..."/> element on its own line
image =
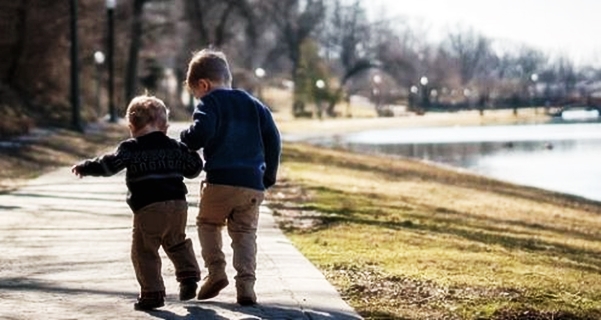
<point x="559" y="157"/>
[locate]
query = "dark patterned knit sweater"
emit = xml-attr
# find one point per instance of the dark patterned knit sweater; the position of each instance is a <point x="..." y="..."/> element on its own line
<point x="156" y="166"/>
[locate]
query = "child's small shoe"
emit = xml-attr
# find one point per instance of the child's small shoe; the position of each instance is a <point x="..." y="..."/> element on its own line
<point x="212" y="286"/>
<point x="245" y="293"/>
<point x="187" y="289"/>
<point x="150" y="300"/>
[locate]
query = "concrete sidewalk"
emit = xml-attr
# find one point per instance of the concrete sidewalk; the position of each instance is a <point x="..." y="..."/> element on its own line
<point x="65" y="255"/>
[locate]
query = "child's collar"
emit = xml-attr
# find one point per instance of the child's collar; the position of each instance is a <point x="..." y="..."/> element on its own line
<point x="220" y="87"/>
<point x="146" y="130"/>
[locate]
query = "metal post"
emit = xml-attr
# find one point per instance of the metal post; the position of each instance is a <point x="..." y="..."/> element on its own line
<point x="425" y="92"/>
<point x="75" y="98"/>
<point x="98" y="60"/>
<point x="110" y="6"/>
<point x="260" y="73"/>
<point x="534" y="78"/>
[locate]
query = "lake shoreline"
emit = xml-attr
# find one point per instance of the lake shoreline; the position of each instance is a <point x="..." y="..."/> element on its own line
<point x="309" y="128"/>
<point x="520" y="155"/>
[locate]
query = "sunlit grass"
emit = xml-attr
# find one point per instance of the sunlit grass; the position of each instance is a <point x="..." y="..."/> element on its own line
<point x="403" y="239"/>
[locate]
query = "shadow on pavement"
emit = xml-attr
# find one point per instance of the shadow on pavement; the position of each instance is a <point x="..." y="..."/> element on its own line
<point x="199" y="310"/>
<point x="27" y="284"/>
<point x="257" y="312"/>
<point x="6" y="208"/>
<point x="193" y="313"/>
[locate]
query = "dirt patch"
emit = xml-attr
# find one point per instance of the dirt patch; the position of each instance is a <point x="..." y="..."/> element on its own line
<point x="286" y="201"/>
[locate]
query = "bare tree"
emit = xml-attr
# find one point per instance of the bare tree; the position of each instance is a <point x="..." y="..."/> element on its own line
<point x="566" y="75"/>
<point x="404" y="54"/>
<point x="345" y="38"/>
<point x="209" y="20"/>
<point x="161" y="34"/>
<point x="234" y="26"/>
<point x="469" y="49"/>
<point x="131" y="75"/>
<point x="295" y="20"/>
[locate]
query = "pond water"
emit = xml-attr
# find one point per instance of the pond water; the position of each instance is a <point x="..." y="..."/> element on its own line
<point x="563" y="157"/>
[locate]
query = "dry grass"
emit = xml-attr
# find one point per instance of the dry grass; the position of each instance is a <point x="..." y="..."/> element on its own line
<point x="401" y="239"/>
<point x="405" y="240"/>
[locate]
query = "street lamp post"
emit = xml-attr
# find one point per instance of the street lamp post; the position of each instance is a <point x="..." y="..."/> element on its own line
<point x="376" y="90"/>
<point x="425" y="95"/>
<point x="75" y="99"/>
<point x="110" y="8"/>
<point x="413" y="91"/>
<point x="99" y="60"/>
<point x="534" y="79"/>
<point x="467" y="93"/>
<point x="376" y="93"/>
<point x="260" y="73"/>
<point x="320" y="84"/>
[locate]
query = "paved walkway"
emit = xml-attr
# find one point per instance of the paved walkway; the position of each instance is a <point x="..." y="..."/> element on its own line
<point x="65" y="255"/>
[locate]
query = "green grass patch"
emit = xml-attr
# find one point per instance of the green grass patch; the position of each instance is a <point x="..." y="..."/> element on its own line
<point x="401" y="239"/>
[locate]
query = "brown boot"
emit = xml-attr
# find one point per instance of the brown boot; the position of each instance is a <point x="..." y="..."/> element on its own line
<point x="214" y="283"/>
<point x="245" y="293"/>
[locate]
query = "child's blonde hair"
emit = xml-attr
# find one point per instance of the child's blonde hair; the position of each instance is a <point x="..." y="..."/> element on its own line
<point x="208" y="64"/>
<point x="144" y="110"/>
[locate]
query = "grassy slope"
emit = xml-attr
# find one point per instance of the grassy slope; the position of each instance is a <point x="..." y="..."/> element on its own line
<point x="405" y="240"/>
<point x="402" y="239"/>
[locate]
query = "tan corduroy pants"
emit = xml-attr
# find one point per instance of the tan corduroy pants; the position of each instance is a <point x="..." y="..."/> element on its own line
<point x="162" y="224"/>
<point x="238" y="208"/>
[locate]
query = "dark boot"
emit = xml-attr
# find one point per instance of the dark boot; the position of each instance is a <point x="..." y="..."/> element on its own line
<point x="187" y="289"/>
<point x="150" y="300"/>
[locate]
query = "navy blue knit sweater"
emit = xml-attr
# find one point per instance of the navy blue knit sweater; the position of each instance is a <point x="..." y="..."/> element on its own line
<point x="156" y="166"/>
<point x="240" y="141"/>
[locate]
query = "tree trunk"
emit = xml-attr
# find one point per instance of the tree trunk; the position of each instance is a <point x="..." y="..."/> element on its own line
<point x="19" y="44"/>
<point x="131" y="76"/>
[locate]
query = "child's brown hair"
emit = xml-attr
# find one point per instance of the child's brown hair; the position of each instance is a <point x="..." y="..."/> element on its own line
<point x="144" y="110"/>
<point x="208" y="64"/>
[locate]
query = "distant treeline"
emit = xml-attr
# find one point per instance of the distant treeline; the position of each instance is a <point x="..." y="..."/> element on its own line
<point x="323" y="50"/>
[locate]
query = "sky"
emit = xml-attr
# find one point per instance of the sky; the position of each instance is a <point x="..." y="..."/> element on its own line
<point x="558" y="27"/>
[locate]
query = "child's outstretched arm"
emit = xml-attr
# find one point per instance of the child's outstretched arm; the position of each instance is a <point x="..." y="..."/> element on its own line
<point x="75" y="169"/>
<point x="106" y="165"/>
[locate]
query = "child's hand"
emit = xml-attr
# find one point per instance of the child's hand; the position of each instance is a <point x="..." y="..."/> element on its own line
<point x="75" y="170"/>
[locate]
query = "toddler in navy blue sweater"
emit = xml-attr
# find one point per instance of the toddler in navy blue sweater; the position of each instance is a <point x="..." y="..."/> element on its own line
<point x="241" y="149"/>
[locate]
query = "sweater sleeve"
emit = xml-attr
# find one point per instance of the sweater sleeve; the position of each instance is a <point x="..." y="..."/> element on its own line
<point x="192" y="162"/>
<point x="105" y="165"/>
<point x="271" y="147"/>
<point x="203" y="127"/>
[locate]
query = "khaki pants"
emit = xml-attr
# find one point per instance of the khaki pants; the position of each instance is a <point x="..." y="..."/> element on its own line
<point x="238" y="208"/>
<point x="162" y="224"/>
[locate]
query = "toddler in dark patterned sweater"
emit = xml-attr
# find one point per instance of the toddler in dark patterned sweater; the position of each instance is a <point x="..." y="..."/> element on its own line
<point x="155" y="168"/>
